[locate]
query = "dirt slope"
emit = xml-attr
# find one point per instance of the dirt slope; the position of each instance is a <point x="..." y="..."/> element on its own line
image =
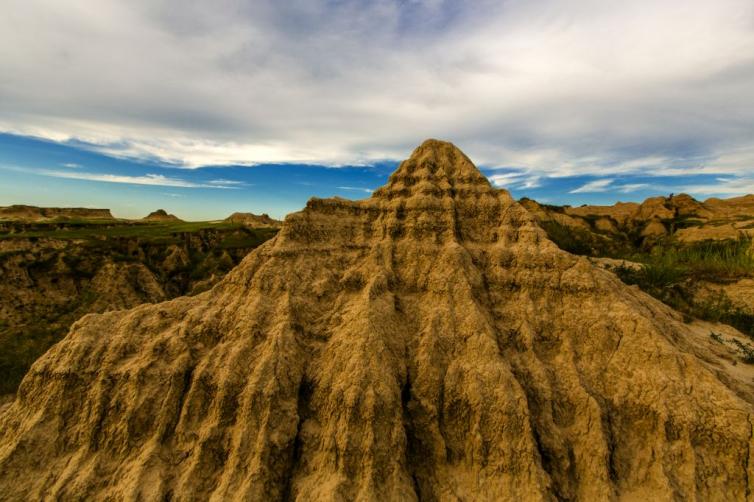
<point x="427" y="343"/>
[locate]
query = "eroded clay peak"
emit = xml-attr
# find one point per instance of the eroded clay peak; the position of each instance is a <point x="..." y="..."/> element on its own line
<point x="436" y="168"/>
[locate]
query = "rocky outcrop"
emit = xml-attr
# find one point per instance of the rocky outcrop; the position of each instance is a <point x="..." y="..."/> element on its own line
<point x="34" y="213"/>
<point x="161" y="216"/>
<point x="426" y="343"/>
<point x="49" y="282"/>
<point x="740" y="294"/>
<point x="254" y="220"/>
<point x="643" y="224"/>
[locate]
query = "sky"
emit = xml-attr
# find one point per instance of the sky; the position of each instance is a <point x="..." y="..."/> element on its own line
<point x="206" y="108"/>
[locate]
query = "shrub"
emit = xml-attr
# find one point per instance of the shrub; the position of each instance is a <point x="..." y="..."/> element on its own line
<point x="746" y="350"/>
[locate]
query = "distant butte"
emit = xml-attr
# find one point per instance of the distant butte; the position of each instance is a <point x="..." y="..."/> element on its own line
<point x="34" y="213"/>
<point x="161" y="215"/>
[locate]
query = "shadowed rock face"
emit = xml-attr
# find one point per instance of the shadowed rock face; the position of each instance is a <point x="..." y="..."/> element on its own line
<point x="427" y="343"/>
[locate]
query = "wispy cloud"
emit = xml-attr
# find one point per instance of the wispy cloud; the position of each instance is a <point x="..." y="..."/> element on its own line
<point x="730" y="187"/>
<point x="147" y="179"/>
<point x="520" y="180"/>
<point x="594" y="186"/>
<point x="632" y="187"/>
<point x="226" y="183"/>
<point x="356" y="189"/>
<point x="72" y="165"/>
<point x="506" y="179"/>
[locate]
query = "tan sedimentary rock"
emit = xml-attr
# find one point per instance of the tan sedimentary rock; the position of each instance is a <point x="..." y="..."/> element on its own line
<point x="426" y="343"/>
<point x="34" y="213"/>
<point x="740" y="293"/>
<point x="622" y="212"/>
<point x="654" y="229"/>
<point x="254" y="220"/>
<point x="715" y="232"/>
<point x="161" y="215"/>
<point x="681" y="215"/>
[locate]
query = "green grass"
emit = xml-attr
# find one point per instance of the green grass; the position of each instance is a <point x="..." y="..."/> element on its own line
<point x="582" y="242"/>
<point x="671" y="273"/>
<point x="129" y="229"/>
<point x="746" y="350"/>
<point x="21" y="347"/>
<point x="715" y="261"/>
<point x="247" y="238"/>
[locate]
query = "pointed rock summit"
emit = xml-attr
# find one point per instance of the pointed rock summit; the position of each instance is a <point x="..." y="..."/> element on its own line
<point x="427" y="343"/>
<point x="436" y="168"/>
<point x="161" y="215"/>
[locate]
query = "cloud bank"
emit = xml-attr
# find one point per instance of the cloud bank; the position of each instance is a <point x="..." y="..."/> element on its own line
<point x="548" y="87"/>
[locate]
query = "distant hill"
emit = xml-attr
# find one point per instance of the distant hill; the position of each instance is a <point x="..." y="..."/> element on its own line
<point x="253" y="220"/>
<point x="161" y="215"/>
<point x="642" y="224"/>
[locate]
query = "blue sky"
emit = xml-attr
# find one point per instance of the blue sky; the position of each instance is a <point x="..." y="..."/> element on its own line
<point x="568" y="101"/>
<point x="43" y="172"/>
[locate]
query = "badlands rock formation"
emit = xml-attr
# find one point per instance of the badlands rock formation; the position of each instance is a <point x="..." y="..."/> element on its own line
<point x="680" y="216"/>
<point x="254" y="220"/>
<point x="426" y="343"/>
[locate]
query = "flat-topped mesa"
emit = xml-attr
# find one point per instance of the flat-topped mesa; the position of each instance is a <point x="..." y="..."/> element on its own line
<point x="33" y="213"/>
<point x="436" y="169"/>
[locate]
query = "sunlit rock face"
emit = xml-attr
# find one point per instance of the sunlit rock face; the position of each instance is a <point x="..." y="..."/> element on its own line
<point x="426" y="343"/>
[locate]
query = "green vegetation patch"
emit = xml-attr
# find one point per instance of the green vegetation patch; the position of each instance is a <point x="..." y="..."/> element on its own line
<point x="672" y="274"/>
<point x="583" y="242"/>
<point x="716" y="261"/>
<point x="672" y="271"/>
<point x="126" y="229"/>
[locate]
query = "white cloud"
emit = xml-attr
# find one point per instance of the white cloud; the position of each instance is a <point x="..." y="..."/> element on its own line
<point x="226" y="183"/>
<point x="558" y="87"/>
<point x="507" y="179"/>
<point x="594" y="186"/>
<point x="356" y="189"/>
<point x="520" y="180"/>
<point x="531" y="182"/>
<point x="741" y="186"/>
<point x="632" y="187"/>
<point x="147" y="179"/>
<point x="71" y="165"/>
